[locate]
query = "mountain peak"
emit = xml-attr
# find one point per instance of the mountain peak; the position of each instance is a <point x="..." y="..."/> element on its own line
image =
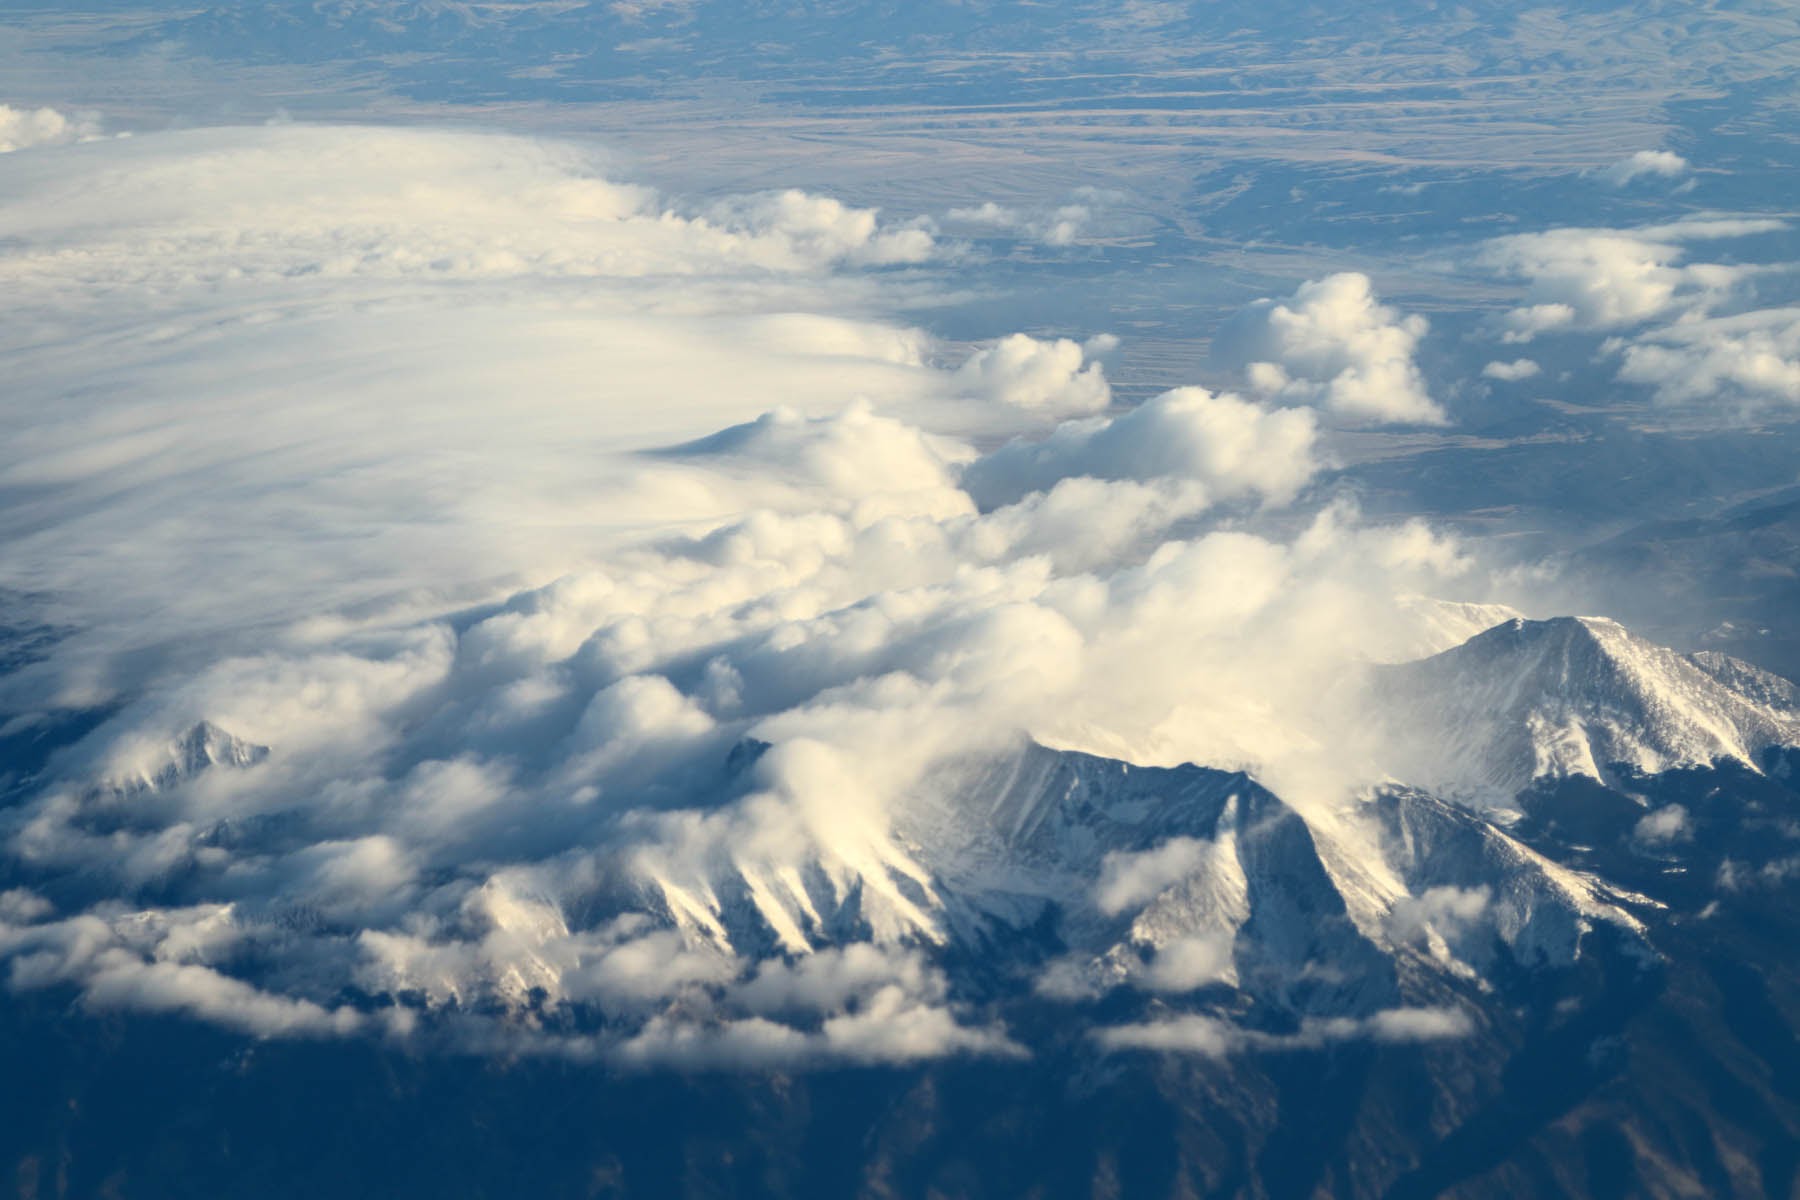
<point x="204" y="746"/>
<point x="1569" y="696"/>
<point x="1523" y="631"/>
<point x="207" y="745"/>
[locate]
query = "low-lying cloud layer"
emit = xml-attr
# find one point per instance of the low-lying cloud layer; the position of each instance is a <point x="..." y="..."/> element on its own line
<point x="1213" y="1038"/>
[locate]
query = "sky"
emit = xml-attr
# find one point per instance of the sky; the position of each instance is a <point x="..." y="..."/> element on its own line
<point x="489" y="488"/>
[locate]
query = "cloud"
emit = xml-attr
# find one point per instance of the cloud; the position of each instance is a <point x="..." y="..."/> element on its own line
<point x="1189" y="963"/>
<point x="1211" y="1037"/>
<point x="638" y="10"/>
<point x="1128" y="880"/>
<point x="154" y="963"/>
<point x="856" y="456"/>
<point x="513" y="947"/>
<point x="1734" y="876"/>
<point x="1598" y="279"/>
<point x="638" y="711"/>
<point x="1205" y="1036"/>
<point x="126" y="983"/>
<point x="1645" y="164"/>
<point x="1069" y="979"/>
<point x="891" y="1029"/>
<point x="1162" y="965"/>
<point x="1089" y="213"/>
<point x="830" y="980"/>
<point x="21" y="906"/>
<point x="821" y="229"/>
<point x="1056" y="378"/>
<point x="1664" y="826"/>
<point x="298" y="201"/>
<point x="1334" y="345"/>
<point x="891" y="1033"/>
<point x="22" y="129"/>
<point x="1083" y="522"/>
<point x="1511" y="372"/>
<point x="1747" y="361"/>
<point x="356" y="875"/>
<point x="1419" y="1025"/>
<point x="1229" y="446"/>
<point x="1442" y="912"/>
<point x="1677" y="335"/>
<point x="532" y="604"/>
<point x="456" y="874"/>
<point x="1053" y="227"/>
<point x="858" y="1003"/>
<point x="380" y="288"/>
<point x="836" y="337"/>
<point x="748" y="1044"/>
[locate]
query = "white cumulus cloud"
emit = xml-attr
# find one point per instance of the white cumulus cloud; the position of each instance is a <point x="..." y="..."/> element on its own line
<point x="1744" y="361"/>
<point x="1230" y="446"/>
<point x="1057" y="378"/>
<point x="1614" y="278"/>
<point x="1645" y="164"/>
<point x="1334" y="345"/>
<point x="23" y="128"/>
<point x="1511" y="372"/>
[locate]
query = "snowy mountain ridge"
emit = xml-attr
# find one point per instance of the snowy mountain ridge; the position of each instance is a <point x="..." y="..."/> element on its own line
<point x="1181" y="879"/>
<point x="1575" y="696"/>
<point x="1084" y="874"/>
<point x="1176" y="878"/>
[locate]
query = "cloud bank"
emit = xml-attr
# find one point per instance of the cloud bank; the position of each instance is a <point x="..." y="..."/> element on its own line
<point x="1212" y="1038"/>
<point x="489" y="604"/>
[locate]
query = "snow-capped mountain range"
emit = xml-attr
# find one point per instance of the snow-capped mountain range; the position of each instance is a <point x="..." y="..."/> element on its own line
<point x="1592" y="816"/>
<point x="1186" y="878"/>
<point x="1070" y="876"/>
